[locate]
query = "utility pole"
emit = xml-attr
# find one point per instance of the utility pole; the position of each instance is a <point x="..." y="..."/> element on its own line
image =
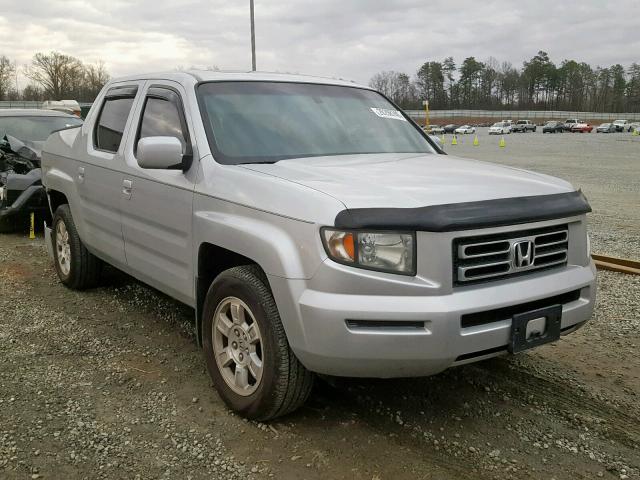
<point x="15" y="70"/>
<point x="253" y="38"/>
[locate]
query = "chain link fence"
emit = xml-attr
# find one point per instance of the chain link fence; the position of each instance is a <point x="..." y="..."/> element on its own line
<point x="31" y="104"/>
<point x="20" y="104"/>
<point x="537" y="115"/>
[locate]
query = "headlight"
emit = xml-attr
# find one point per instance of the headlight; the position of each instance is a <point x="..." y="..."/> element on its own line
<point x="392" y="252"/>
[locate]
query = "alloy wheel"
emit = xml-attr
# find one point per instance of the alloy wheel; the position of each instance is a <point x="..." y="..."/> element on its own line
<point x="63" y="248"/>
<point x="237" y="346"/>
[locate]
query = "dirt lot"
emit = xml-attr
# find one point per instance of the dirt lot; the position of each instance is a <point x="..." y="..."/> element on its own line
<point x="110" y="383"/>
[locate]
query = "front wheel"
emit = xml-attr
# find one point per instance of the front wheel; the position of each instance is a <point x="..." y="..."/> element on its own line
<point x="246" y="350"/>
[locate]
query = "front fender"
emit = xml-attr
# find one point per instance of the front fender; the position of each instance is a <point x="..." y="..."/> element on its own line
<point x="281" y="246"/>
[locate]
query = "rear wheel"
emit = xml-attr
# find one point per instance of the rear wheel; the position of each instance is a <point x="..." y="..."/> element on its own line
<point x="246" y="350"/>
<point x="77" y="268"/>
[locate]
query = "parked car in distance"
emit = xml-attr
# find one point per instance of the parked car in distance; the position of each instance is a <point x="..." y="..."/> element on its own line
<point x="436" y="129"/>
<point x="523" y="126"/>
<point x="72" y="107"/>
<point x="621" y="125"/>
<point x="633" y="126"/>
<point x="304" y="246"/>
<point x="581" y="128"/>
<point x="22" y="133"/>
<point x="569" y="123"/>
<point x="553" y="127"/>
<point x="499" y="128"/>
<point x="464" y="129"/>
<point x="606" y="128"/>
<point x="450" y="128"/>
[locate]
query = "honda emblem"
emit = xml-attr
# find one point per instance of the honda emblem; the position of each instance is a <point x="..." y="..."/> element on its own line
<point x="523" y="254"/>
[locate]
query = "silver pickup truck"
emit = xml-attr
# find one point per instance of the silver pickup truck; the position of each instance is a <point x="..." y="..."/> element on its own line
<point x="314" y="228"/>
<point x="523" y="126"/>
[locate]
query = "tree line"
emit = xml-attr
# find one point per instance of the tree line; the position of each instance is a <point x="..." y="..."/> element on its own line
<point x="539" y="85"/>
<point x="53" y="76"/>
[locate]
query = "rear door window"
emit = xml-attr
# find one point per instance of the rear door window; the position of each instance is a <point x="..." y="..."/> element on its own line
<point x="113" y="118"/>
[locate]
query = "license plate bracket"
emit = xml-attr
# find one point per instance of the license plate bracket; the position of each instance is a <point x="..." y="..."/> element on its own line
<point x="519" y="331"/>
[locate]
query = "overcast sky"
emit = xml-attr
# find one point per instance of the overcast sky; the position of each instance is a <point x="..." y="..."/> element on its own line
<point x="351" y="39"/>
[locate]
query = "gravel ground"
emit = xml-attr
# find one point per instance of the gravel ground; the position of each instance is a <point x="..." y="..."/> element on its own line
<point x="110" y="383"/>
<point x="605" y="166"/>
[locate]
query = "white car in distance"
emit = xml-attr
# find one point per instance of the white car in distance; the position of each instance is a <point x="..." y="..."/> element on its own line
<point x="499" y="128"/>
<point x="464" y="129"/>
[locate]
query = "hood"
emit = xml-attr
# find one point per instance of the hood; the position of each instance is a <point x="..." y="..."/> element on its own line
<point x="29" y="150"/>
<point x="410" y="180"/>
<point x="17" y="156"/>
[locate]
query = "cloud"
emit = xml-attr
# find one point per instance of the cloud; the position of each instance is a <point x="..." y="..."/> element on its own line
<point x="349" y="39"/>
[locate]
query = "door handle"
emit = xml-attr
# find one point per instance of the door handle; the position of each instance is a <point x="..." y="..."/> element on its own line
<point x="127" y="186"/>
<point x="80" y="174"/>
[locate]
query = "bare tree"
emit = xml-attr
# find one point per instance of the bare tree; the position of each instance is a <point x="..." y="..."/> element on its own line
<point x="59" y="75"/>
<point x="397" y="86"/>
<point x="95" y="77"/>
<point x="7" y="72"/>
<point x="32" y="92"/>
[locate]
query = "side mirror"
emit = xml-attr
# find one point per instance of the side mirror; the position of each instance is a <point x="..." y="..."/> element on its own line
<point x="160" y="153"/>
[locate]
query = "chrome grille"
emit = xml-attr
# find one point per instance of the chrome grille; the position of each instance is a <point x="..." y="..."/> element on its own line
<point x="497" y="256"/>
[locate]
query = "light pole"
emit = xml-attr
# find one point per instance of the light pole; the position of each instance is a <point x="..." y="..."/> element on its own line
<point x="253" y="38"/>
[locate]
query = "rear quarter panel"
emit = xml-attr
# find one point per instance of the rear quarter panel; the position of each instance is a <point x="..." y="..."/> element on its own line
<point x="59" y="165"/>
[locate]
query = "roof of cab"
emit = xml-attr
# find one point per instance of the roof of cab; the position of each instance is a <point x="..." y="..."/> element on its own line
<point x="32" y="112"/>
<point x="196" y="76"/>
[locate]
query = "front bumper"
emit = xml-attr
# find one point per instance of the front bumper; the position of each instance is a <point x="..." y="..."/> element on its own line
<point x="377" y="335"/>
<point x="32" y="199"/>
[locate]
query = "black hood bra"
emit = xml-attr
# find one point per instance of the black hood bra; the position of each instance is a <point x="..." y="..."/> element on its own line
<point x="467" y="215"/>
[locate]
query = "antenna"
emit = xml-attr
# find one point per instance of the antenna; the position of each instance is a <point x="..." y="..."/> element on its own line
<point x="253" y="38"/>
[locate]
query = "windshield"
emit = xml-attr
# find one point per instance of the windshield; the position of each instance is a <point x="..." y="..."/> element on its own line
<point x="34" y="129"/>
<point x="264" y="122"/>
<point x="498" y="124"/>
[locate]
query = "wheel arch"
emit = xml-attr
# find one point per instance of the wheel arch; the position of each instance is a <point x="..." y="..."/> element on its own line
<point x="55" y="199"/>
<point x="212" y="261"/>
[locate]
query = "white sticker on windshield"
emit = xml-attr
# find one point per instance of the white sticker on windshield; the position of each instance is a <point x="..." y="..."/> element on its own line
<point x="387" y="113"/>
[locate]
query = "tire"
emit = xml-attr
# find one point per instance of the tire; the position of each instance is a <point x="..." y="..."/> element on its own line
<point x="7" y="225"/>
<point x="276" y="385"/>
<point x="77" y="268"/>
